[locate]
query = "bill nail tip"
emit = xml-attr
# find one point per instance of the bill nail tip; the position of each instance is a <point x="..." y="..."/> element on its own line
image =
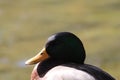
<point x="27" y="63"/>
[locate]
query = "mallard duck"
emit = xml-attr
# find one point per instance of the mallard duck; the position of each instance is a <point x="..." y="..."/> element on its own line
<point x="62" y="58"/>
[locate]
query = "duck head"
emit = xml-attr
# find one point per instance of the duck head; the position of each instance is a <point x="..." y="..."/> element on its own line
<point x="63" y="46"/>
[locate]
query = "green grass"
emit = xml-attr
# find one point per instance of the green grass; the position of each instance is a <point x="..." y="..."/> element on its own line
<point x="25" y="26"/>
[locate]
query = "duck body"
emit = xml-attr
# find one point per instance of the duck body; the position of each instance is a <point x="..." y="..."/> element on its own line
<point x="67" y="73"/>
<point x="64" y="60"/>
<point x="70" y="71"/>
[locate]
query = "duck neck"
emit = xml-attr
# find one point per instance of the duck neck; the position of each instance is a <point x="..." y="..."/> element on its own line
<point x="45" y="66"/>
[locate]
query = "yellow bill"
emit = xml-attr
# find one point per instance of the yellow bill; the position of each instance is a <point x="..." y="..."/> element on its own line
<point x="42" y="55"/>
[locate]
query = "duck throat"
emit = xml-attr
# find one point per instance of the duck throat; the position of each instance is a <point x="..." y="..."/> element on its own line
<point x="44" y="66"/>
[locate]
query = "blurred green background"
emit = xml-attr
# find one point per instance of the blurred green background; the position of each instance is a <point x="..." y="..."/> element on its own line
<point x="25" y="26"/>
